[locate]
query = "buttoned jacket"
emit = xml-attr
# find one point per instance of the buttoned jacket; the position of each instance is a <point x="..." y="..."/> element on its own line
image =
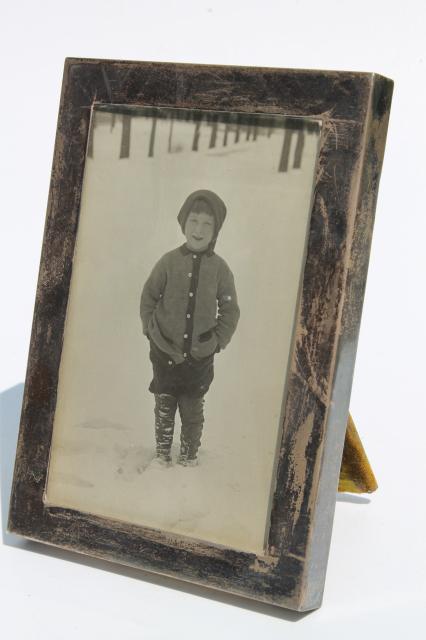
<point x="189" y="305"/>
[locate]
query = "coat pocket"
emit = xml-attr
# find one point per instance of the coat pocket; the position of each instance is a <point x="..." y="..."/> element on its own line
<point x="206" y="336"/>
<point x="206" y="344"/>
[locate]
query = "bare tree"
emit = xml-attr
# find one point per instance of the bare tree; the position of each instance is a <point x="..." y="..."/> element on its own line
<point x="311" y="127"/>
<point x="125" y="136"/>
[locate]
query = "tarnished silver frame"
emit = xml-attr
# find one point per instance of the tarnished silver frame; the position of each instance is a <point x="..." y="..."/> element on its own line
<point x="353" y="109"/>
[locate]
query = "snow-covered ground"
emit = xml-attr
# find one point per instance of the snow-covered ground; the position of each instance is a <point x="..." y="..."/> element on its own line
<point x="103" y="442"/>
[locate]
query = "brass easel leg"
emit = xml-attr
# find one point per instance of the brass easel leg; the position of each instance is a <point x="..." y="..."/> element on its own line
<point x="356" y="474"/>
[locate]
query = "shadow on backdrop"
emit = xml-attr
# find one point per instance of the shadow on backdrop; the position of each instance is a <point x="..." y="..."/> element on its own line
<point x="10" y="411"/>
<point x="352" y="498"/>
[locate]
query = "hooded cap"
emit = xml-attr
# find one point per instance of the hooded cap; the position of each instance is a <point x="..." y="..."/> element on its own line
<point x="217" y="205"/>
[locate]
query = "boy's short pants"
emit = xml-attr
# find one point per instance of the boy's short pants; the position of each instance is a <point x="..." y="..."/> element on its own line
<point x="191" y="378"/>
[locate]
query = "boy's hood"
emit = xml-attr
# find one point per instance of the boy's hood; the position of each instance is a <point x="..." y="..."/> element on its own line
<point x="216" y="203"/>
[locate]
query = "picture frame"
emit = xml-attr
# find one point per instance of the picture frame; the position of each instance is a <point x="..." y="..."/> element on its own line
<point x="352" y="112"/>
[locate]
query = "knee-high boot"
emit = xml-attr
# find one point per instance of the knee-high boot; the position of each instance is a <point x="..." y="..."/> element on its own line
<point x="192" y="416"/>
<point x="165" y="411"/>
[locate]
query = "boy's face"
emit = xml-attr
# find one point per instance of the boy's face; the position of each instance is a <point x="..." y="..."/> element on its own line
<point x="199" y="230"/>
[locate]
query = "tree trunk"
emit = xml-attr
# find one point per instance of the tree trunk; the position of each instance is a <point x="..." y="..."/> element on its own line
<point x="225" y="135"/>
<point x="152" y="137"/>
<point x="237" y="134"/>
<point x="213" y="136"/>
<point x="288" y="134"/>
<point x="172" y="118"/>
<point x="300" y="143"/>
<point x="196" y="135"/>
<point x="125" y="136"/>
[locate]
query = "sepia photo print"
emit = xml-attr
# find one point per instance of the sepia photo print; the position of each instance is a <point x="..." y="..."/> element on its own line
<point x="180" y="320"/>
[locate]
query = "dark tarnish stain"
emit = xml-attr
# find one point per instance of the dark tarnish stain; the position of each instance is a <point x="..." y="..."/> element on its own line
<point x="107" y="83"/>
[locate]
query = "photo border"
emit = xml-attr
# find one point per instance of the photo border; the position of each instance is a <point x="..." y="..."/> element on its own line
<point x="353" y="109"/>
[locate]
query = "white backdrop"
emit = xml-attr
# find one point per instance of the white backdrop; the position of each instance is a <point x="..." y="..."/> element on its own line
<point x="377" y="570"/>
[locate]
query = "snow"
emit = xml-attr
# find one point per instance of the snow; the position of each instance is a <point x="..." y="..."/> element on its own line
<point x="103" y="441"/>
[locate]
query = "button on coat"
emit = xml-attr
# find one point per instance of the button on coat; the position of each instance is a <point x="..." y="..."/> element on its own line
<point x="167" y="294"/>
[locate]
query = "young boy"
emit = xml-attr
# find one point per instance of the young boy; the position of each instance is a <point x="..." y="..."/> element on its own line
<point x="189" y="312"/>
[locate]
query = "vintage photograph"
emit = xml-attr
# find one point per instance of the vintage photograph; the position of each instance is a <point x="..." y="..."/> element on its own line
<point x="186" y="276"/>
